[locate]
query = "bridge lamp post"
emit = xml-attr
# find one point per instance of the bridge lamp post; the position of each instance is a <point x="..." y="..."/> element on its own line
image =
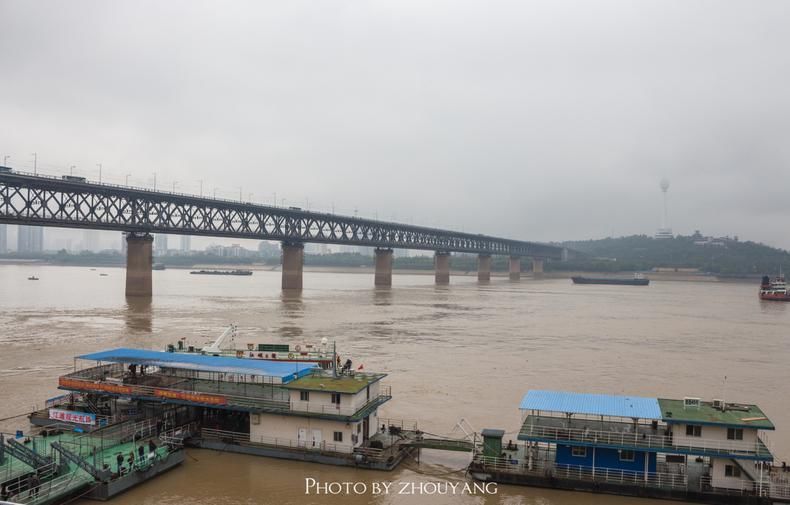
<point x="215" y="193"/>
<point x="35" y="163"/>
<point x="5" y="160"/>
<point x="99" y="165"/>
<point x="127" y="178"/>
<point x="201" y="188"/>
<point x="241" y="198"/>
<point x="174" y="186"/>
<point x="154" y="181"/>
<point x="71" y="169"/>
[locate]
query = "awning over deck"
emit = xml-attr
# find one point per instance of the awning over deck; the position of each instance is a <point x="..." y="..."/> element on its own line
<point x="592" y="404"/>
<point x="286" y="371"/>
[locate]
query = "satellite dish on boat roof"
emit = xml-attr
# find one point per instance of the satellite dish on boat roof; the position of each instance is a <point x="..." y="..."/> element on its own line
<point x="324" y="341"/>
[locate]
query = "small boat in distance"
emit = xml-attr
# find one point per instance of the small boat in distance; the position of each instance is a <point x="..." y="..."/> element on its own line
<point x="103" y="275"/>
<point x="638" y="280"/>
<point x="774" y="290"/>
<point x="32" y="278"/>
<point x="158" y="266"/>
<point x="221" y="272"/>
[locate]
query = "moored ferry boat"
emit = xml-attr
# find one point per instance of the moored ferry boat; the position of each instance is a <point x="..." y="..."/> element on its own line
<point x="774" y="290"/>
<point x="685" y="449"/>
<point x="225" y="345"/>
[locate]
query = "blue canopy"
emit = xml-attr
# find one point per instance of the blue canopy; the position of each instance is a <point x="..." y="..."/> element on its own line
<point x="286" y="371"/>
<point x="592" y="404"/>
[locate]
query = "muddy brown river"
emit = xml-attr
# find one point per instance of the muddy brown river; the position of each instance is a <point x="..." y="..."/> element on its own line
<point x="466" y="351"/>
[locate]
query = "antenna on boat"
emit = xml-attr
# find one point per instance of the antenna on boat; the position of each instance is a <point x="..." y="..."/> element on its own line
<point x="724" y="395"/>
<point x="334" y="359"/>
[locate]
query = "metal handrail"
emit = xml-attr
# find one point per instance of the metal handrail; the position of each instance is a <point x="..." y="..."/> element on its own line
<point x="284" y="443"/>
<point x="642" y="440"/>
<point x="579" y="472"/>
<point x="234" y="400"/>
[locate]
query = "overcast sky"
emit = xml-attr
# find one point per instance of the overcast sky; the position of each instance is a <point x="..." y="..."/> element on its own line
<point x="547" y="120"/>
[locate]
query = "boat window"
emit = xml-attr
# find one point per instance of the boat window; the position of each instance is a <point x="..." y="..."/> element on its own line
<point x="336" y="398"/>
<point x="338" y="436"/>
<point x="732" y="471"/>
<point x="693" y="430"/>
<point x="304" y="396"/>
<point x="734" y="433"/>
<point x="627" y="456"/>
<point x="579" y="452"/>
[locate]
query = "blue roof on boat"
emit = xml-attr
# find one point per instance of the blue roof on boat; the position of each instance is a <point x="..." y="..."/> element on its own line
<point x="286" y="371"/>
<point x="593" y="404"/>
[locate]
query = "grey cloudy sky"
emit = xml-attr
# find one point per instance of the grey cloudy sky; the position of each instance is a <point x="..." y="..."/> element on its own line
<point x="544" y="120"/>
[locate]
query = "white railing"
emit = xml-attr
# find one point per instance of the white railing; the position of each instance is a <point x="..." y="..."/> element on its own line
<point x="585" y="473"/>
<point x="50" y="489"/>
<point x="639" y="439"/>
<point x="281" y="443"/>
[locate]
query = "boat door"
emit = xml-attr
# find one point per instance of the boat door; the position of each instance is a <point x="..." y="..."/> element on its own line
<point x="301" y="440"/>
<point x="316" y="439"/>
<point x="365" y="428"/>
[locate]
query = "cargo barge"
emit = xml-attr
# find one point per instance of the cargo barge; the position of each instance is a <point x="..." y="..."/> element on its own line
<point x="637" y="280"/>
<point x="689" y="449"/>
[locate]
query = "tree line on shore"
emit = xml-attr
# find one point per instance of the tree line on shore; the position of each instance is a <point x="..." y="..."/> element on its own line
<point x="624" y="254"/>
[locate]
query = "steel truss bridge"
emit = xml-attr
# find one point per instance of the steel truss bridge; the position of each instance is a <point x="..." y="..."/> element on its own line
<point x="67" y="202"/>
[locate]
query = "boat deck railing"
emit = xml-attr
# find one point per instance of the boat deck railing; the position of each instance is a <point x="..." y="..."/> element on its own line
<point x="625" y="435"/>
<point x="542" y="468"/>
<point x="234" y="437"/>
<point x="111" y="379"/>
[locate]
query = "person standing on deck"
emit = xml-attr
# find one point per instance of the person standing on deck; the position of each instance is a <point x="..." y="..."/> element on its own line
<point x="119" y="460"/>
<point x="141" y="453"/>
<point x="33" y="484"/>
<point x="131" y="460"/>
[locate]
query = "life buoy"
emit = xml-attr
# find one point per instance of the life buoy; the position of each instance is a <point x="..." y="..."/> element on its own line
<point x="298" y="347"/>
<point x="291" y="355"/>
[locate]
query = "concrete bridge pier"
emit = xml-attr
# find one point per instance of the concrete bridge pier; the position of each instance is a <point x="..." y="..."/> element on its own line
<point x="383" y="267"/>
<point x="515" y="268"/>
<point x="139" y="260"/>
<point x="484" y="267"/>
<point x="537" y="267"/>
<point x="441" y="263"/>
<point x="292" y="263"/>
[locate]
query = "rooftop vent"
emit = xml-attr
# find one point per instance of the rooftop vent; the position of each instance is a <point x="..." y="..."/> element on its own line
<point x="719" y="404"/>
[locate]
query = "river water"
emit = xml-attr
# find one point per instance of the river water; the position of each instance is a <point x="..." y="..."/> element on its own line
<point x="467" y="351"/>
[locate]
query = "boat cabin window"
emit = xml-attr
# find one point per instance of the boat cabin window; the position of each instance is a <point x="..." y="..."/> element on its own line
<point x="579" y="452"/>
<point x="336" y="398"/>
<point x="338" y="437"/>
<point x="693" y="430"/>
<point x="304" y="396"/>
<point x="627" y="455"/>
<point x="732" y="471"/>
<point x="734" y="433"/>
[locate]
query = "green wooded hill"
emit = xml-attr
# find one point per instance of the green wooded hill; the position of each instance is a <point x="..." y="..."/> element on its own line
<point x="640" y="252"/>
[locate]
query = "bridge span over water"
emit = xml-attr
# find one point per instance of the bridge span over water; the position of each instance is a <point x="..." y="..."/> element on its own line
<point x="73" y="202"/>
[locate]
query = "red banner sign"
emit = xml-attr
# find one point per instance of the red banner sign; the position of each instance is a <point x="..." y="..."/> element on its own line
<point x="83" y="385"/>
<point x="191" y="397"/>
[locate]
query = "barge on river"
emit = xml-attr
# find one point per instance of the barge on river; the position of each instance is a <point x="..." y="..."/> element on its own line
<point x="685" y="449"/>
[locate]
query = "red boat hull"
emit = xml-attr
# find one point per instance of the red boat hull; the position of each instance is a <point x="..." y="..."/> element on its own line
<point x="775" y="297"/>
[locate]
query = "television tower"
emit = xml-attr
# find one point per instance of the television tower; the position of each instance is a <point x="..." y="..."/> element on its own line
<point x="665" y="231"/>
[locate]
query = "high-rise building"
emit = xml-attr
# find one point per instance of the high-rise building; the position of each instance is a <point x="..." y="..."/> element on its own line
<point x="3" y="239"/>
<point x="30" y="239"/>
<point x="91" y="241"/>
<point x="160" y="244"/>
<point x="186" y="243"/>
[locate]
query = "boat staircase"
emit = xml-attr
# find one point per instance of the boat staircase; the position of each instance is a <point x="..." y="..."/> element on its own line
<point x="102" y="475"/>
<point x="27" y="455"/>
